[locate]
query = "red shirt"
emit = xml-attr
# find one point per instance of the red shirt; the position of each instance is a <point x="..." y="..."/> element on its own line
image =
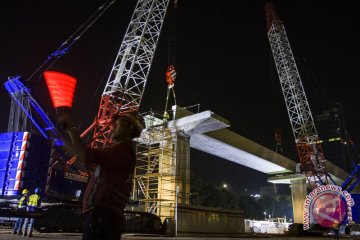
<point x="111" y="178"/>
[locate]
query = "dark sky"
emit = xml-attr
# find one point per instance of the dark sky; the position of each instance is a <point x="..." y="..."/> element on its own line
<point x="223" y="63"/>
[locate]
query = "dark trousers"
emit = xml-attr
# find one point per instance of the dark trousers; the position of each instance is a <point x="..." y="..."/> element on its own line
<point x="18" y="226"/>
<point x="29" y="226"/>
<point x="102" y="224"/>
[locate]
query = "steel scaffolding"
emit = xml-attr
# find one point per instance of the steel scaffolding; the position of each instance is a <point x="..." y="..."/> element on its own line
<point x="158" y="173"/>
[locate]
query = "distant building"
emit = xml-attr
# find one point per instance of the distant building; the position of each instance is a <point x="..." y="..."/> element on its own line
<point x="279" y="202"/>
<point x="334" y="139"/>
<point x="278" y="190"/>
<point x="268" y="191"/>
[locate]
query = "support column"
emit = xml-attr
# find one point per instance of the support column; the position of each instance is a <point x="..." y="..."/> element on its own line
<point x="183" y="167"/>
<point x="298" y="195"/>
<point x="174" y="171"/>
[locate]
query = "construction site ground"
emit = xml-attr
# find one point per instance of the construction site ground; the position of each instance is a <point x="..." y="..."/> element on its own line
<point x="6" y="234"/>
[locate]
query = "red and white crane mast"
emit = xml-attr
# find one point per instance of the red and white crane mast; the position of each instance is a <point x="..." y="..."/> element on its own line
<point x="125" y="86"/>
<point x="306" y="138"/>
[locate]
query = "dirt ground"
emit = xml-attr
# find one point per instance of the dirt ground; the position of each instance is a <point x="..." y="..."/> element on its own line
<point x="6" y="234"/>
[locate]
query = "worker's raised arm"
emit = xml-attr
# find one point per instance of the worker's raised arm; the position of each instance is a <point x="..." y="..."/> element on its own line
<point x="74" y="143"/>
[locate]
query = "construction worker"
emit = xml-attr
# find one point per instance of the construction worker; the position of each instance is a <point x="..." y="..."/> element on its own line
<point x="21" y="207"/>
<point x="34" y="204"/>
<point x="112" y="169"/>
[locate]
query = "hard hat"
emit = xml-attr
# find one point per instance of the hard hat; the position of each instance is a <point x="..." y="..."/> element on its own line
<point x="134" y="118"/>
<point x="37" y="190"/>
<point x="25" y="191"/>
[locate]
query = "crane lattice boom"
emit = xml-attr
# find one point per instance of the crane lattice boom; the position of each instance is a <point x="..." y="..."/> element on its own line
<point x="302" y="123"/>
<point x="125" y="86"/>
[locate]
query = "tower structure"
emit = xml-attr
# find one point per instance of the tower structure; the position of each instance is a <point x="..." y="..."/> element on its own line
<point x="157" y="171"/>
<point x="17" y="118"/>
<point x="126" y="84"/>
<point x="310" y="153"/>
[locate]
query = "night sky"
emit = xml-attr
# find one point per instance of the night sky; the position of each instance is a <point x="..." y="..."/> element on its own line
<point x="223" y="63"/>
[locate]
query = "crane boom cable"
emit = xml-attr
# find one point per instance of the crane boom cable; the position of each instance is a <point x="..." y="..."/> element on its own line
<point x="170" y="72"/>
<point x="20" y="98"/>
<point x="68" y="43"/>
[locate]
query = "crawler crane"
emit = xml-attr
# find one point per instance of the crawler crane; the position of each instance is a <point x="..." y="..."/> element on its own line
<point x="306" y="138"/>
<point x="328" y="205"/>
<point x="126" y="83"/>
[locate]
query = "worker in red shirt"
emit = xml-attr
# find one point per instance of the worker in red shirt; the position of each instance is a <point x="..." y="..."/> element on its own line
<point x="112" y="169"/>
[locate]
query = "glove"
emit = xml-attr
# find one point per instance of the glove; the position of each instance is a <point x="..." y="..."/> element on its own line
<point x="64" y="121"/>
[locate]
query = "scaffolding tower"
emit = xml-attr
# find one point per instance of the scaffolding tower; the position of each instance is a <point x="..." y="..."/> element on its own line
<point x="162" y="177"/>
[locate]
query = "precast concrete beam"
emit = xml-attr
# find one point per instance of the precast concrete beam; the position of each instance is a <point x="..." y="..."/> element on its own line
<point x="198" y="123"/>
<point x="208" y="134"/>
<point x="337" y="174"/>
<point x="233" y="147"/>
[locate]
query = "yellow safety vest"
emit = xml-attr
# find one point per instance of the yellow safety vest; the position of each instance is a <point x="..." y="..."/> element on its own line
<point x="34" y="200"/>
<point x="22" y="202"/>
